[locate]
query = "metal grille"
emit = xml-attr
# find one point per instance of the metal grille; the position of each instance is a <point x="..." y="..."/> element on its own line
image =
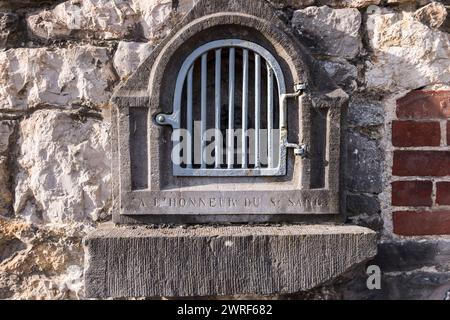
<point x="229" y="116"/>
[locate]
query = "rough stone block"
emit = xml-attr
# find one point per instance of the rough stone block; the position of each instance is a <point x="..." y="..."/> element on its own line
<point x="206" y="261"/>
<point x="364" y="164"/>
<point x="362" y="204"/>
<point x="364" y="112"/>
<point x="406" y="54"/>
<point x="333" y="32"/>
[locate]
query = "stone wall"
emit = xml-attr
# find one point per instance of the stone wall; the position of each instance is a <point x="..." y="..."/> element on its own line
<point x="61" y="61"/>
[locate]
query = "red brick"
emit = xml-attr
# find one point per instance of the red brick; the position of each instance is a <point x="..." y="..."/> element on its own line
<point x="412" y="193"/>
<point x="421" y="163"/>
<point x="411" y="223"/>
<point x="443" y="193"/>
<point x="416" y="134"/>
<point x="424" y="105"/>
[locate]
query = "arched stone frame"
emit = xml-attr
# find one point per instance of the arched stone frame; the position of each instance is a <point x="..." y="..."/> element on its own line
<point x="151" y="86"/>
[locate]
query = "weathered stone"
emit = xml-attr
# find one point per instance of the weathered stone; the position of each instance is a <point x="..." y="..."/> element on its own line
<point x="129" y="55"/>
<point x="103" y="19"/>
<point x="157" y="17"/>
<point x="6" y="130"/>
<point x="364" y="165"/>
<point x="327" y="31"/>
<point x="406" y="53"/>
<point x="8" y="24"/>
<point x="348" y="3"/>
<point x="422" y="284"/>
<point x="98" y="19"/>
<point x="364" y="112"/>
<point x="64" y="168"/>
<point x="342" y="72"/>
<point x="409" y="255"/>
<point x="61" y="77"/>
<point x="6" y="196"/>
<point x="372" y="221"/>
<point x="40" y="263"/>
<point x="432" y="15"/>
<point x="362" y="204"/>
<point x="299" y="4"/>
<point x="16" y="4"/>
<point x="295" y="4"/>
<point x="220" y="261"/>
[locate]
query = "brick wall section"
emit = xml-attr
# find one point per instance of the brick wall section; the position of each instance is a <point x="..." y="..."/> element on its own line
<point x="421" y="165"/>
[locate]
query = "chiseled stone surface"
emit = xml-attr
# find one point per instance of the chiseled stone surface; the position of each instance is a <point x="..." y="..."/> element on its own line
<point x="205" y="261"/>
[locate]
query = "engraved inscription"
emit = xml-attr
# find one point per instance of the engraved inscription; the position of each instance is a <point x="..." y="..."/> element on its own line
<point x="227" y="202"/>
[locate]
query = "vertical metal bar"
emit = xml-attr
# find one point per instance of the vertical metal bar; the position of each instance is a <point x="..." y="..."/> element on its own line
<point x="244" y="108"/>
<point x="218" y="101"/>
<point x="203" y="108"/>
<point x="231" y="75"/>
<point x="189" y="120"/>
<point x="257" y="107"/>
<point x="269" y="116"/>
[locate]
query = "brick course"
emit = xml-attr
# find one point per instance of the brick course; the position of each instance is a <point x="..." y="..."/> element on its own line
<point x="426" y="167"/>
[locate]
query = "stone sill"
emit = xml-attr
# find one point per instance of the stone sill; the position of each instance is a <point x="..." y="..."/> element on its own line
<point x="214" y="261"/>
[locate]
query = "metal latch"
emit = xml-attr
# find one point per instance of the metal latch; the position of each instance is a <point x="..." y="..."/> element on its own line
<point x="300" y="150"/>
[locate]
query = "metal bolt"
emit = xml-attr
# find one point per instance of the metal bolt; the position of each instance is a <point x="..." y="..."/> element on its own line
<point x="160" y="118"/>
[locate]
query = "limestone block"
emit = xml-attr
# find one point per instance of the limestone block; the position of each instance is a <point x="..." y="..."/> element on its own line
<point x="106" y="20"/>
<point x="40" y="262"/>
<point x="129" y="55"/>
<point x="64" y="168"/>
<point x="406" y="54"/>
<point x="99" y="19"/>
<point x="60" y="77"/>
<point x="432" y="15"/>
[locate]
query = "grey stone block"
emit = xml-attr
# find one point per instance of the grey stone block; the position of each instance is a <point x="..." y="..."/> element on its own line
<point x="211" y="261"/>
<point x="416" y="285"/>
<point x="364" y="164"/>
<point x="408" y="255"/>
<point x="363" y="112"/>
<point x="362" y="204"/>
